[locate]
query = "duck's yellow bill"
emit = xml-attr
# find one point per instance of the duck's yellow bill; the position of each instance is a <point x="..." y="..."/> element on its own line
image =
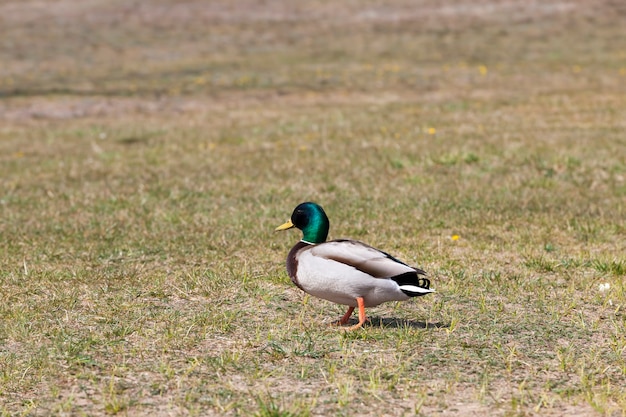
<point x="285" y="226"/>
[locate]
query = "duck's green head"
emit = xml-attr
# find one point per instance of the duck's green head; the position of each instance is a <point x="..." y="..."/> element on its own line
<point x="311" y="219"/>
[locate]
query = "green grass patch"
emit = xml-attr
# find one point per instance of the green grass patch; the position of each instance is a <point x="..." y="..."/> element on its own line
<point x="144" y="167"/>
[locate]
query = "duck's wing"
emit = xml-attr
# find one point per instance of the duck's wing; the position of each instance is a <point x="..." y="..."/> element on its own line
<point x="365" y="258"/>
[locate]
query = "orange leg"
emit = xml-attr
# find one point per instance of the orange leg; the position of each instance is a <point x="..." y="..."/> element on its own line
<point x="346" y="316"/>
<point x="362" y="316"/>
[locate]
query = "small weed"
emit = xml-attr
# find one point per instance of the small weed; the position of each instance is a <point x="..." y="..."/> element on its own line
<point x="269" y="407"/>
<point x="565" y="356"/>
<point x="541" y="264"/>
<point x="614" y="267"/>
<point x="549" y="247"/>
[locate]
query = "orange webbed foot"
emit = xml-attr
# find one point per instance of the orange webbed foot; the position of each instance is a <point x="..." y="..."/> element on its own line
<point x="362" y="316"/>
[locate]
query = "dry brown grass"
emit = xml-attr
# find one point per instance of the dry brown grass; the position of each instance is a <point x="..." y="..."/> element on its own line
<point x="148" y="150"/>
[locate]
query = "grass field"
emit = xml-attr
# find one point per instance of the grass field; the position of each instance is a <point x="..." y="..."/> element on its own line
<point x="149" y="149"/>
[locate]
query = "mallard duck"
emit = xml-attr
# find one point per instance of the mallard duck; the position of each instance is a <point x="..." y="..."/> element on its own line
<point x="344" y="271"/>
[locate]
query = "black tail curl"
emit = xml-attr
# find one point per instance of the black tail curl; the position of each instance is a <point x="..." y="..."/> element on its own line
<point x="413" y="278"/>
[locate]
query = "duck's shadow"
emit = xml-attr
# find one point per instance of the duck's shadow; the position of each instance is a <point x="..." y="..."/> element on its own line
<point x="396" y="323"/>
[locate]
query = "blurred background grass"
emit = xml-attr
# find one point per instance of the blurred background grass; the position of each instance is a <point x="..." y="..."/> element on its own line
<point x="149" y="149"/>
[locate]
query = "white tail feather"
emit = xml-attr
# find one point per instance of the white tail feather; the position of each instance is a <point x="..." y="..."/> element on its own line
<point x="416" y="289"/>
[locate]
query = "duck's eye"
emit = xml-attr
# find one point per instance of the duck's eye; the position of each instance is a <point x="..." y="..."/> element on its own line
<point x="299" y="217"/>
